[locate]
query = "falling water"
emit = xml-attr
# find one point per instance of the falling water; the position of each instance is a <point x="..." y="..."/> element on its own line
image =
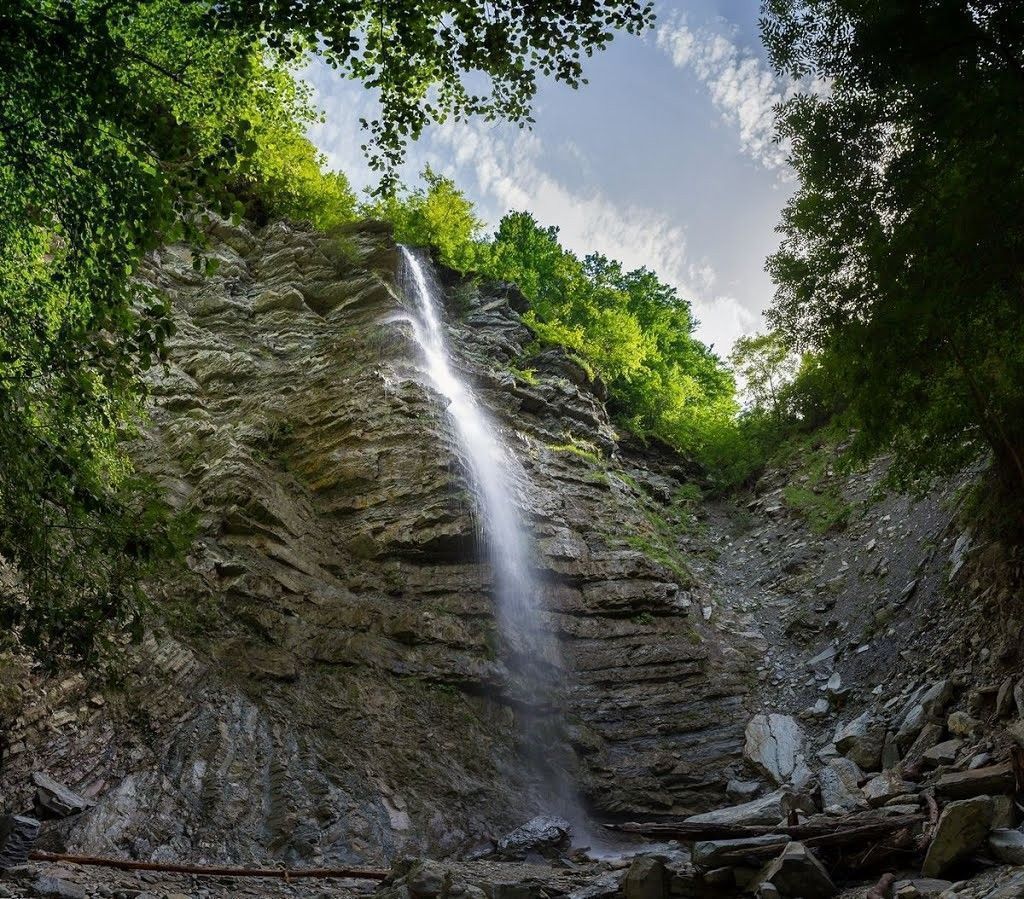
<point x="493" y="473"/>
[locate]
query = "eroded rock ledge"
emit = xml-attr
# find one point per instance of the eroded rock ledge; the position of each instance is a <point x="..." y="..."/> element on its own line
<point x="328" y="683"/>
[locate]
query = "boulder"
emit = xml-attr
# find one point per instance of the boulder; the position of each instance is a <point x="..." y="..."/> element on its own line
<point x="861" y="741"/>
<point x="796" y="872"/>
<point x="962" y="724"/>
<point x="769" y="809"/>
<point x="944" y="753"/>
<point x="17" y="835"/>
<point x="55" y="800"/>
<point x="981" y="781"/>
<point x="840" y="784"/>
<point x="545" y="833"/>
<point x="604" y="887"/>
<point x="774" y="745"/>
<point x="890" y="751"/>
<point x="1004" y="699"/>
<point x="712" y="853"/>
<point x="647" y="878"/>
<point x="885" y="786"/>
<point x="1004" y="812"/>
<point x="919" y="888"/>
<point x="930" y="735"/>
<point x="426" y="879"/>
<point x="742" y="790"/>
<point x="1007" y="846"/>
<point x="927" y="703"/>
<point x="58" y="888"/>
<point x="962" y="829"/>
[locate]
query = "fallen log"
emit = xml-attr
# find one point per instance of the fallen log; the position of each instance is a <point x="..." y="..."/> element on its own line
<point x="211" y="870"/>
<point x="808" y="830"/>
<point x="839" y="838"/>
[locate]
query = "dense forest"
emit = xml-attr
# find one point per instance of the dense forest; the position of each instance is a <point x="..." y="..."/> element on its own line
<point x="125" y="124"/>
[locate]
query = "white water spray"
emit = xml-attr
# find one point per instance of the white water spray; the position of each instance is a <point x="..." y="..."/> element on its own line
<point x="492" y="469"/>
<point x="494" y="472"/>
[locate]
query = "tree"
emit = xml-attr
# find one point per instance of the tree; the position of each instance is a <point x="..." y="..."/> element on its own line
<point x="420" y="55"/>
<point x="630" y="328"/>
<point x="434" y="214"/>
<point x="901" y="260"/>
<point x="765" y="364"/>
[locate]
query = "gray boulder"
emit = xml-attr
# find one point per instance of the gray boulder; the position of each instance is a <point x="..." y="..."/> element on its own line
<point x="861" y="741"/>
<point x="17" y="835"/>
<point x="1007" y="846"/>
<point x="944" y="753"/>
<point x="962" y="829"/>
<point x="647" y="878"/>
<point x="927" y="703"/>
<point x="540" y="834"/>
<point x="769" y="809"/>
<point x="426" y="879"/>
<point x="55" y="799"/>
<point x="840" y="784"/>
<point x="58" y="888"/>
<point x="713" y="853"/>
<point x="775" y="746"/>
<point x="920" y="888"/>
<point x="796" y="872"/>
<point x="885" y="786"/>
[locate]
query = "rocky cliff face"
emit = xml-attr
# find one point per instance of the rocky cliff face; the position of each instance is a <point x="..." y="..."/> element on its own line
<point x="327" y="681"/>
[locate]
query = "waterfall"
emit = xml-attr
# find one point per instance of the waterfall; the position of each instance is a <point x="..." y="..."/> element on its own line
<point x="491" y="467"/>
<point x="493" y="472"/>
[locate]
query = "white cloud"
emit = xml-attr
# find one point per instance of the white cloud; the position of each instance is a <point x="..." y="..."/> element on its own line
<point x="740" y="85"/>
<point x="509" y="175"/>
<point x="502" y="168"/>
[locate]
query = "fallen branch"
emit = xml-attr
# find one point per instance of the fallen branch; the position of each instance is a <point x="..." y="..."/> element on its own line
<point x="838" y="838"/>
<point x="928" y="831"/>
<point x="211" y="870"/>
<point x="808" y="830"/>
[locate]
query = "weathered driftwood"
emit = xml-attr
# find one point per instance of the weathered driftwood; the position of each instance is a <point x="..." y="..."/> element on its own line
<point x="211" y="870"/>
<point x="832" y="830"/>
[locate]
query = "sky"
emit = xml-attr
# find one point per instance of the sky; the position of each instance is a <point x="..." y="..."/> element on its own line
<point x="665" y="159"/>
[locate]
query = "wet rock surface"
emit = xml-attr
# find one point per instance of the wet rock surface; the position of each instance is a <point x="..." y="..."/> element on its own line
<point x="327" y="684"/>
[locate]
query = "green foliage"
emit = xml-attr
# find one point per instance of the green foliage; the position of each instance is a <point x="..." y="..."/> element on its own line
<point x="816" y="467"/>
<point x="900" y="265"/>
<point x="286" y="176"/>
<point x="630" y="329"/>
<point x="436" y="214"/>
<point x="95" y="169"/>
<point x="121" y="125"/>
<point x="765" y="363"/>
<point x="824" y="511"/>
<point x="417" y="55"/>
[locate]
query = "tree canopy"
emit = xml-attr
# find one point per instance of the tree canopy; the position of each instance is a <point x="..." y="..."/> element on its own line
<point x="900" y="264"/>
<point x="434" y="60"/>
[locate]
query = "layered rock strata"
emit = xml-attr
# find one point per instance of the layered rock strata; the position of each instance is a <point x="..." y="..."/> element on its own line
<point x="327" y="681"/>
